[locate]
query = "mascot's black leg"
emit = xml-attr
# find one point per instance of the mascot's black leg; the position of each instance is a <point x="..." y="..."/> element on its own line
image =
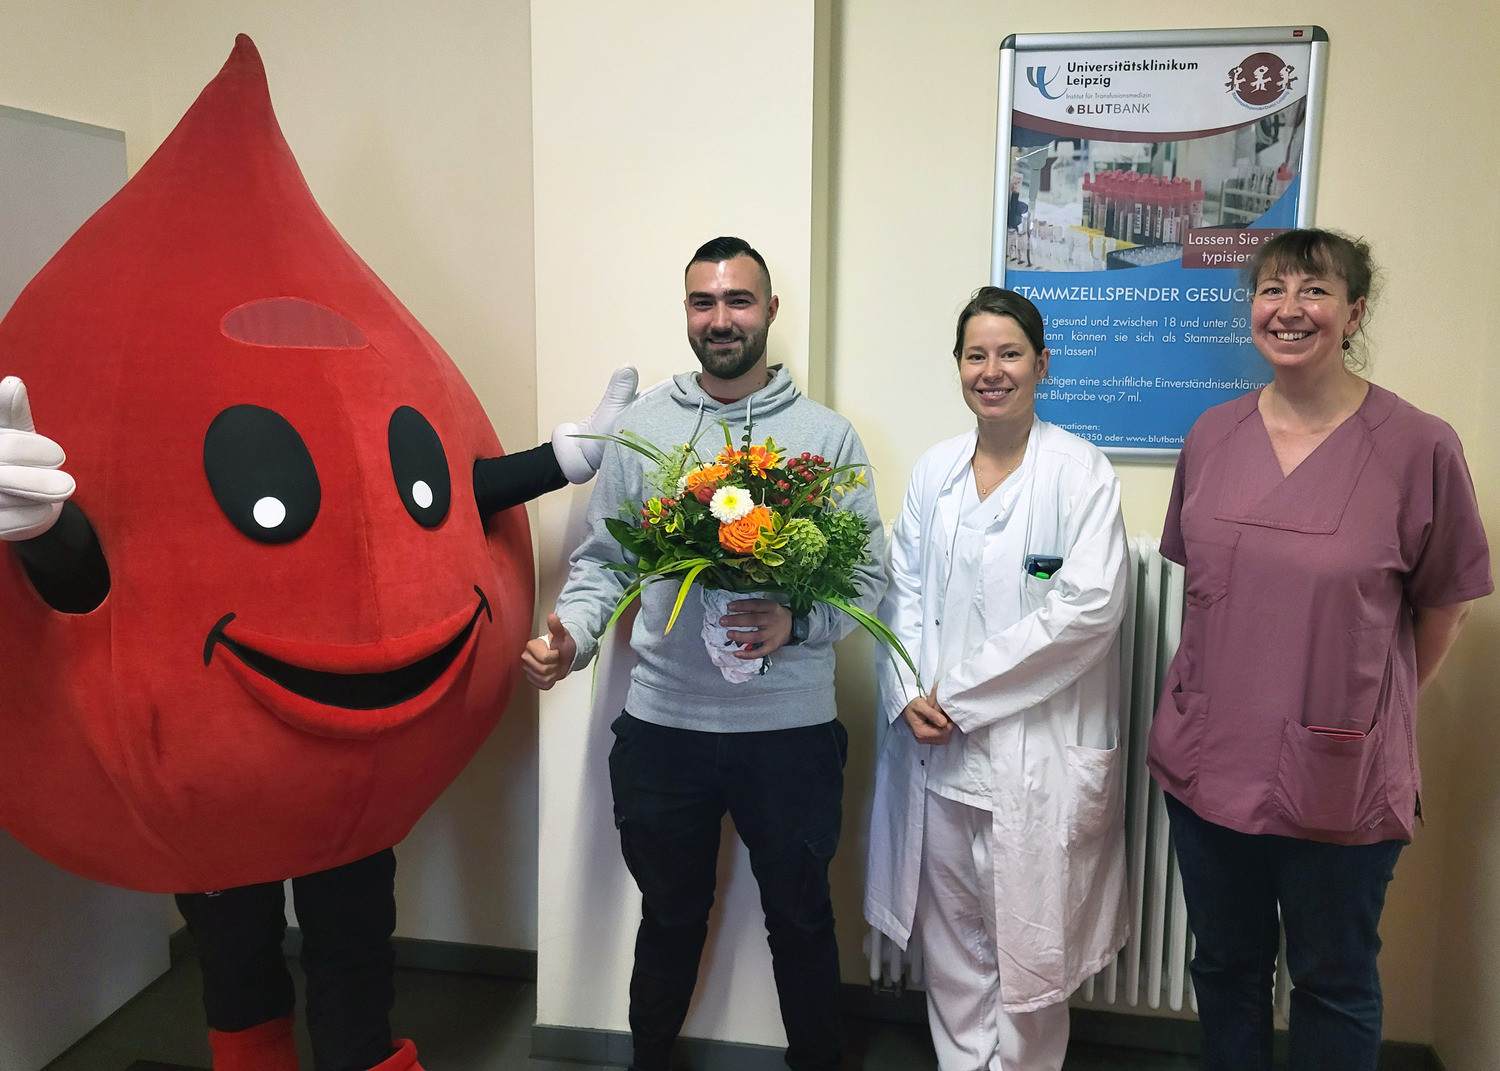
<point x="503" y="482"/>
<point x="247" y="990"/>
<point x="239" y="933"/>
<point x="347" y="916"/>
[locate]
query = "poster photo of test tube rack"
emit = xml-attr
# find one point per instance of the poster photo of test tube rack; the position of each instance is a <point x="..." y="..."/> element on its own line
<point x="1089" y="205"/>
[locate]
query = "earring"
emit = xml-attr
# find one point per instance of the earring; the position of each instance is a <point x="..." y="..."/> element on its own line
<point x="1346" y="343"/>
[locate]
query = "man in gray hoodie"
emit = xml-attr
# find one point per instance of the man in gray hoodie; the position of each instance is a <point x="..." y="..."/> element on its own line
<point x="691" y="744"/>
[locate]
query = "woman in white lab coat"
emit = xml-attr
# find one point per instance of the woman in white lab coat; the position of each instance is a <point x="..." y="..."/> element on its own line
<point x="997" y="839"/>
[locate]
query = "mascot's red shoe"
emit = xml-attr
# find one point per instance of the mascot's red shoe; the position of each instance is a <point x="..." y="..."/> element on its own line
<point x="267" y="1047"/>
<point x="403" y="1059"/>
<point x="275" y="625"/>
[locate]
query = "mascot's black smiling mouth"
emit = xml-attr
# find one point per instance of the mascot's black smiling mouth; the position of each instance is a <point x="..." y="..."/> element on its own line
<point x="350" y="691"/>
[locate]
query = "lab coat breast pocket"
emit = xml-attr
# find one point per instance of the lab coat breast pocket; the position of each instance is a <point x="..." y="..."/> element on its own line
<point x="1034" y="592"/>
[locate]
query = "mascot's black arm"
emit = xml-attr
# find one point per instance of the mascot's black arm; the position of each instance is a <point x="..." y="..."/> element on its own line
<point x="503" y="482"/>
<point x="66" y="564"/>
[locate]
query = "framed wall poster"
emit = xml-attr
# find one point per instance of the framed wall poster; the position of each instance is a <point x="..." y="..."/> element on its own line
<point x="1134" y="174"/>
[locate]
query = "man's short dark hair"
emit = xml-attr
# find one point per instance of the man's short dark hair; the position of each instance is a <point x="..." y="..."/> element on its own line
<point x="727" y="248"/>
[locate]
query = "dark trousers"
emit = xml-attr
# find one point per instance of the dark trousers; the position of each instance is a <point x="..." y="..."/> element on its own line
<point x="347" y="916"/>
<point x="1330" y="898"/>
<point x="784" y="791"/>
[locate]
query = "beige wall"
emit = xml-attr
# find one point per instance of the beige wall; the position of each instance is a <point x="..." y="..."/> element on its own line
<point x="1406" y="163"/>
<point x="656" y="127"/>
<point x="76" y="60"/>
<point x="1458" y="284"/>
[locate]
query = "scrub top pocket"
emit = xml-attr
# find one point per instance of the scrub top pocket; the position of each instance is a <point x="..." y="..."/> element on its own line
<point x="1329" y="785"/>
<point x="1210" y="567"/>
<point x="1177" y="730"/>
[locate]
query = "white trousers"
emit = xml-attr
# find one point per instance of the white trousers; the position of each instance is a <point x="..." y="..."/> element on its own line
<point x="955" y="923"/>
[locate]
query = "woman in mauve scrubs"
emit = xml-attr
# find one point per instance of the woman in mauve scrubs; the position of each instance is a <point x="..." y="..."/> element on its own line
<point x="1333" y="545"/>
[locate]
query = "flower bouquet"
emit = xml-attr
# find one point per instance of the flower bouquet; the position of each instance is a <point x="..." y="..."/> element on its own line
<point x="752" y="522"/>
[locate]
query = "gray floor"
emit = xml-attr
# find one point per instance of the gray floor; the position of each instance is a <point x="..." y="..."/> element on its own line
<point x="465" y="1022"/>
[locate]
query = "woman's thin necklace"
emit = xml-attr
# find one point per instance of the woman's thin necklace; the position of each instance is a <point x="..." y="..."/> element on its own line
<point x="984" y="490"/>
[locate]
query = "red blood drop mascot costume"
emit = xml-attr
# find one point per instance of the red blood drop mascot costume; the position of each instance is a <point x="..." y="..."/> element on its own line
<point x="285" y="604"/>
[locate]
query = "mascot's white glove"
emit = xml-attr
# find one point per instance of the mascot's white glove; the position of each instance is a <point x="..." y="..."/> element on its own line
<point x="579" y="458"/>
<point x="32" y="489"/>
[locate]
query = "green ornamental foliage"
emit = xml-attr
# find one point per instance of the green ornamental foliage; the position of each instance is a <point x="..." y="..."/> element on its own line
<point x="751" y="519"/>
<point x="806" y="545"/>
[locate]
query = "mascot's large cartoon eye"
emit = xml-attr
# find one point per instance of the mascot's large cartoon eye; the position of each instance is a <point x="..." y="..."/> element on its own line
<point x="261" y="474"/>
<point x="420" y="467"/>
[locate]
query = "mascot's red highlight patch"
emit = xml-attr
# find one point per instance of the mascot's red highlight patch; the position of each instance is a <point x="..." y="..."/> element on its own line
<point x="293" y="322"/>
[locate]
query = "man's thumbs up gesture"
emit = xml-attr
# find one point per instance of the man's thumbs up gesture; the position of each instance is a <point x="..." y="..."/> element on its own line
<point x="548" y="659"/>
<point x="32" y="487"/>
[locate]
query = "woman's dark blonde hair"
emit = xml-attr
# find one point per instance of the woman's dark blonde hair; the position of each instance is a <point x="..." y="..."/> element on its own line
<point x="998" y="302"/>
<point x="1311" y="251"/>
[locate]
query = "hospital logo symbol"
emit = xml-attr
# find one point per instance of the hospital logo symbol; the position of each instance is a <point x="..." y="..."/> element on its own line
<point x="1037" y="76"/>
<point x="1261" y="80"/>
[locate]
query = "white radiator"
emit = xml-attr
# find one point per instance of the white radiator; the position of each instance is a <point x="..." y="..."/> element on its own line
<point x="1151" y="971"/>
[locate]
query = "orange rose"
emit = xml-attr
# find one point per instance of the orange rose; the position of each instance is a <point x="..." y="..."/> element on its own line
<point x="706" y="476"/>
<point x="739" y="537"/>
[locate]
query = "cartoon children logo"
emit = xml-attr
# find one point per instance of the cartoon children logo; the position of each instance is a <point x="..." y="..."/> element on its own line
<point x="1261" y="79"/>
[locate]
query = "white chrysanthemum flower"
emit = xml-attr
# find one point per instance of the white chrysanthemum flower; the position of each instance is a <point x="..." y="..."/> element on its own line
<point x="681" y="485"/>
<point x="729" y="504"/>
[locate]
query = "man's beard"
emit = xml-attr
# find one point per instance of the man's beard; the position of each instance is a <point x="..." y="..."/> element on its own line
<point x="730" y="364"/>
